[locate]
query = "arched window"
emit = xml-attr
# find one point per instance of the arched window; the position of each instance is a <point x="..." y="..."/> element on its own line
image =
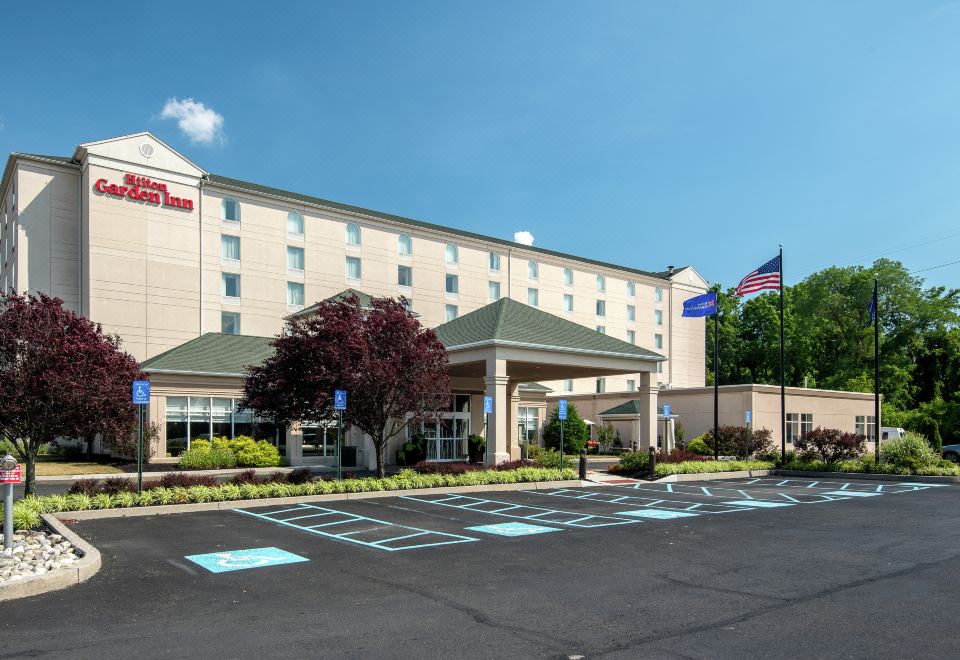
<point x="631" y="289"/>
<point x="494" y="261"/>
<point x="230" y="210"/>
<point x="568" y="276"/>
<point x="601" y="283"/>
<point x="404" y="244"/>
<point x="533" y="270"/>
<point x="453" y="256"/>
<point x="294" y="224"/>
<point x="353" y="234"/>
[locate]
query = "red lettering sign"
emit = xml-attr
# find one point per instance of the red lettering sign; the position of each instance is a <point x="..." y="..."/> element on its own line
<point x="10" y="476"/>
<point x="143" y="189"/>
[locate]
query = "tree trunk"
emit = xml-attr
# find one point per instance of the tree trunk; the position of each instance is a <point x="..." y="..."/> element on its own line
<point x="89" y="449"/>
<point x="31" y="469"/>
<point x="379" y="445"/>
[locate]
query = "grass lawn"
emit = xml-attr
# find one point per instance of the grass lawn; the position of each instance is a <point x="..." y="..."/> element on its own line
<point x="47" y="467"/>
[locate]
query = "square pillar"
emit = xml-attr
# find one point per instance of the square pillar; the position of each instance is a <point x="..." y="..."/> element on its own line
<point x="513" y="390"/>
<point x="498" y="432"/>
<point x="647" y="392"/>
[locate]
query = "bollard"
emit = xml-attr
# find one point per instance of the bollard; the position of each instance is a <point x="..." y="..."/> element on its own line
<point x="652" y="465"/>
<point x="583" y="463"/>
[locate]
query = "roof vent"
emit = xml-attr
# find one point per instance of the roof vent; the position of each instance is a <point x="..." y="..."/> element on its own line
<point x="146" y="149"/>
<point x="670" y="270"/>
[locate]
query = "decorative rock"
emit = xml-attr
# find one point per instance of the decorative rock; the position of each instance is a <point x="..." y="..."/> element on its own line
<point x="34" y="554"/>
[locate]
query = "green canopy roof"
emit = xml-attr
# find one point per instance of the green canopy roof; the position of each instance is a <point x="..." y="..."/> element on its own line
<point x="212" y="353"/>
<point x="508" y="322"/>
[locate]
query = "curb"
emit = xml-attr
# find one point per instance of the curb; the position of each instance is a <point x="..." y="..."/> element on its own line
<point x="870" y="476"/>
<point x="166" y="509"/>
<point x="85" y="568"/>
<point x="710" y="476"/>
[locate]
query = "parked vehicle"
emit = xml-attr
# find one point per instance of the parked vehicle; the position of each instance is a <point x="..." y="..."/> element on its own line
<point x="891" y="433"/>
<point x="951" y="453"/>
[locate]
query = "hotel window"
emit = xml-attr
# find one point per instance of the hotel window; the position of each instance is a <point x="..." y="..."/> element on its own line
<point x="493" y="291"/>
<point x="229" y="210"/>
<point x="631" y="313"/>
<point x="230" y="248"/>
<point x="533" y="270"/>
<point x="567" y="302"/>
<point x="450" y="313"/>
<point x="658" y="295"/>
<point x="601" y="284"/>
<point x="453" y="284"/>
<point x="866" y="426"/>
<point x="602" y="329"/>
<point x="631" y="289"/>
<point x="632" y="336"/>
<point x="295" y="294"/>
<point x="294" y="224"/>
<point x="798" y="424"/>
<point x="601" y="308"/>
<point x="659" y="367"/>
<point x="658" y="340"/>
<point x="494" y="262"/>
<point x="353" y="268"/>
<point x="601" y="385"/>
<point x="404" y="245"/>
<point x="529" y="419"/>
<point x="631" y="385"/>
<point x="230" y="285"/>
<point x="295" y="258"/>
<point x="452" y="254"/>
<point x="230" y="323"/>
<point x="568" y="277"/>
<point x="404" y="276"/>
<point x="533" y="297"/>
<point x="658" y="316"/>
<point x="568" y="385"/>
<point x="353" y="234"/>
<point x="200" y="418"/>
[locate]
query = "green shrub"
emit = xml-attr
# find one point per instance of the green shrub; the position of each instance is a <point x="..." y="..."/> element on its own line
<point x="575" y="431"/>
<point x="205" y="458"/>
<point x="699" y="467"/>
<point x="254" y="453"/>
<point x="911" y="452"/>
<point x="698" y="446"/>
<point x="634" y="460"/>
<point x="414" y="451"/>
<point x="550" y="458"/>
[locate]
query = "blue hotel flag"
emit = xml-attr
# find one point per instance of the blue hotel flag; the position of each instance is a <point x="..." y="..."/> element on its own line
<point x="704" y="305"/>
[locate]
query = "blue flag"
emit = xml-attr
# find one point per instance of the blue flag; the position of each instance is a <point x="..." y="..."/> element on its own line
<point x="704" y="305"/>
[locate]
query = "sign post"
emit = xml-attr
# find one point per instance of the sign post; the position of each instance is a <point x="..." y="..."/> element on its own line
<point x="339" y="404"/>
<point x="666" y="429"/>
<point x="140" y="395"/>
<point x="487" y="410"/>
<point x="746" y="418"/>
<point x="562" y="415"/>
<point x="9" y="475"/>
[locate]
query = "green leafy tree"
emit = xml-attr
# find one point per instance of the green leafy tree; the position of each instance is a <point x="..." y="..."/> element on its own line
<point x="575" y="431"/>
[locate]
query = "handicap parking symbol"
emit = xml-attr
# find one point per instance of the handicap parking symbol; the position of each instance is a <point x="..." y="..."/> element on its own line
<point x="239" y="560"/>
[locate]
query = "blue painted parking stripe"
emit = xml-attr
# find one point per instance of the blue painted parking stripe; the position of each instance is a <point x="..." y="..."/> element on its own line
<point x="657" y="514"/>
<point x="762" y="504"/>
<point x="407" y="531"/>
<point x="852" y="493"/>
<point x="588" y="521"/>
<point x="635" y="500"/>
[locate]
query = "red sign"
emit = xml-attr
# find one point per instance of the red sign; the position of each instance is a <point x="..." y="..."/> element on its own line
<point x="10" y="476"/>
<point x="143" y="189"/>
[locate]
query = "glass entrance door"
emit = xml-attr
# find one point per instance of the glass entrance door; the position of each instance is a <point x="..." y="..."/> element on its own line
<point x="447" y="439"/>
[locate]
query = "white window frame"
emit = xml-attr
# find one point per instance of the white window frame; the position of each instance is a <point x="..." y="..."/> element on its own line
<point x="293" y="249"/>
<point x="493" y="262"/>
<point x="291" y="287"/>
<point x="409" y="270"/>
<point x="236" y="317"/>
<point x="601" y="284"/>
<point x="568" y="303"/>
<point x="533" y="270"/>
<point x="533" y="296"/>
<point x="302" y="222"/>
<point x="359" y="263"/>
<point x="448" y="308"/>
<point x="631" y="289"/>
<point x="230" y="238"/>
<point x="451" y="254"/>
<point x="348" y="235"/>
<point x="568" y="277"/>
<point x="223" y="210"/>
<point x="601" y="308"/>
<point x="223" y="288"/>
<point x="404" y="245"/>
<point x="658" y="317"/>
<point x="455" y="279"/>
<point x="493" y="291"/>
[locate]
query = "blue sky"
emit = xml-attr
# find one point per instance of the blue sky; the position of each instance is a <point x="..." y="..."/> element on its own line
<point x="643" y="133"/>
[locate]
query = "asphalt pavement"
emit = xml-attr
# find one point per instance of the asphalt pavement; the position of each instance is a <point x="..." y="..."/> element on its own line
<point x="770" y="567"/>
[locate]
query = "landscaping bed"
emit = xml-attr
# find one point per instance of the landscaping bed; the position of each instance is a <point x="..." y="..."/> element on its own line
<point x="34" y="553"/>
<point x="27" y="511"/>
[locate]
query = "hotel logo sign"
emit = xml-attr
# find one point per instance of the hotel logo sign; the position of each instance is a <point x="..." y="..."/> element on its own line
<point x="143" y="189"/>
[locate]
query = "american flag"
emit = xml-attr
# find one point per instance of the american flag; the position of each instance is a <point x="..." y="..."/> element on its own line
<point x="765" y="277"/>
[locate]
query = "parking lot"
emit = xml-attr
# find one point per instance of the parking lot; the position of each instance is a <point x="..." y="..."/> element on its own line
<point x="763" y="566"/>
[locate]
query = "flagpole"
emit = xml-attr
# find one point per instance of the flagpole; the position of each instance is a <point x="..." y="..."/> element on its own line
<point x="783" y="395"/>
<point x="716" y="381"/>
<point x="876" y="369"/>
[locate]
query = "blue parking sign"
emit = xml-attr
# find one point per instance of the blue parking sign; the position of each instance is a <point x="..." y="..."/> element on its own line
<point x="562" y="409"/>
<point x="487" y="405"/>
<point x="339" y="399"/>
<point x="748" y="417"/>
<point x="666" y="410"/>
<point x="140" y="392"/>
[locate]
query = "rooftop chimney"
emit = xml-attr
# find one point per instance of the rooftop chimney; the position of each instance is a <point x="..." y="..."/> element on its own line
<point x="670" y="270"/>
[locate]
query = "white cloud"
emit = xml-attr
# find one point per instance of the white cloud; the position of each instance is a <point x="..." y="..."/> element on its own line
<point x="523" y="237"/>
<point x="201" y="124"/>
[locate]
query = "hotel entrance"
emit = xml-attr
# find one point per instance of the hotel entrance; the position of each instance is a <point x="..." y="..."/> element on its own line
<point x="446" y="440"/>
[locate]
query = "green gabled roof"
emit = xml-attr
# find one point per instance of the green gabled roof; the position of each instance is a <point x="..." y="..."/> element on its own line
<point x="535" y="387"/>
<point x="509" y="322"/>
<point x="364" y="298"/>
<point x="212" y="353"/>
<point x="625" y="408"/>
<point x="238" y="184"/>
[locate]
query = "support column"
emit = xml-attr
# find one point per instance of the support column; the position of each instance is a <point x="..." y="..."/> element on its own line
<point x="497" y="384"/>
<point x="513" y="390"/>
<point x="647" y="392"/>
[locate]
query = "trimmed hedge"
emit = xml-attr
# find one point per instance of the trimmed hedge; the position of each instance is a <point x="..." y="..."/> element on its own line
<point x="700" y="467"/>
<point x="26" y="512"/>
